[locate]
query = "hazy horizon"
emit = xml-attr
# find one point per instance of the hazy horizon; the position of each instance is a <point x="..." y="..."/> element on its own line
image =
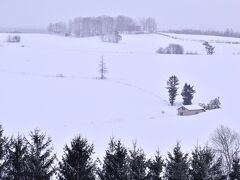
<point x="169" y="14"/>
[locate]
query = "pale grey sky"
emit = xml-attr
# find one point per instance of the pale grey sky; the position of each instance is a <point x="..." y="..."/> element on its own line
<point x="170" y="14"/>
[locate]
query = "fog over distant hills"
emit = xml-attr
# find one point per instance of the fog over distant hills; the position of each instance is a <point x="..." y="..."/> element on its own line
<point x="171" y="14"/>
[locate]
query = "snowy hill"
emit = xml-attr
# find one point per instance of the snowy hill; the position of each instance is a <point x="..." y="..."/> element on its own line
<point x="132" y="104"/>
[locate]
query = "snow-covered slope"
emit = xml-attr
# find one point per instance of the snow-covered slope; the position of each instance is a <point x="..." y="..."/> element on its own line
<point x="132" y="104"/>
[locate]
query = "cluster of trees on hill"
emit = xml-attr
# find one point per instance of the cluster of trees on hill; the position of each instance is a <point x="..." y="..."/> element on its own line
<point x="178" y="49"/>
<point x="13" y="38"/>
<point x="92" y="26"/>
<point x="171" y="49"/>
<point x="112" y="38"/>
<point x="32" y="158"/>
<point x="226" y="33"/>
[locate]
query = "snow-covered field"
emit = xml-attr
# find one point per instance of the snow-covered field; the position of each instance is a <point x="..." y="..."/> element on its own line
<point x="132" y="104"/>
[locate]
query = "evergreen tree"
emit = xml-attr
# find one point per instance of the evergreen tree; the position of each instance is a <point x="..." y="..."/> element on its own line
<point x="235" y="173"/>
<point x="115" y="165"/>
<point x="40" y="158"/>
<point x="17" y="159"/>
<point x="177" y="166"/>
<point x="210" y="49"/>
<point x="77" y="163"/>
<point x="205" y="165"/>
<point x="3" y="153"/>
<point x="137" y="163"/>
<point x="155" y="167"/>
<point x="188" y="94"/>
<point x="172" y="86"/>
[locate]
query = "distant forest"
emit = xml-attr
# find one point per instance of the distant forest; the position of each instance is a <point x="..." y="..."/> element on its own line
<point x="101" y="25"/>
<point x="226" y="33"/>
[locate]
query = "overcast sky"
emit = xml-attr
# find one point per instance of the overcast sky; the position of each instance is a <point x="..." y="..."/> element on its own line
<point x="170" y="14"/>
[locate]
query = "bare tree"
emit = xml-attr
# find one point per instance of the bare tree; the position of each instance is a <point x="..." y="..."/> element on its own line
<point x="102" y="68"/>
<point x="58" y="28"/>
<point x="226" y="142"/>
<point x="123" y="23"/>
<point x="151" y="25"/>
<point x="148" y="25"/>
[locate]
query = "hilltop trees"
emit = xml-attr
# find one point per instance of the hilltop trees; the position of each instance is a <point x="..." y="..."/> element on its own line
<point x="125" y="24"/>
<point x="172" y="86"/>
<point x="103" y="25"/>
<point x="174" y="49"/>
<point x="77" y="163"/>
<point x="171" y="49"/>
<point x="148" y="24"/>
<point x="112" y="38"/>
<point x="187" y="94"/>
<point x="226" y="33"/>
<point x="13" y="38"/>
<point x="58" y="28"/>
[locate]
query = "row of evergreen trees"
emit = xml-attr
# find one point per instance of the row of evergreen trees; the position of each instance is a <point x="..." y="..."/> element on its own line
<point x="187" y="92"/>
<point x="33" y="159"/>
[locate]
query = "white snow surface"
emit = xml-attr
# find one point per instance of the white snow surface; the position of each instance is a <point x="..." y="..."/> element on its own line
<point x="193" y="107"/>
<point x="132" y="104"/>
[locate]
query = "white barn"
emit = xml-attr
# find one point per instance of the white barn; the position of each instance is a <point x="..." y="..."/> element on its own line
<point x="190" y="110"/>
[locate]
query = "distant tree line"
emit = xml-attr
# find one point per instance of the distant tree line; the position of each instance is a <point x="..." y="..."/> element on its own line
<point x="226" y="33"/>
<point x="101" y="25"/>
<point x="23" y="30"/>
<point x="32" y="158"/>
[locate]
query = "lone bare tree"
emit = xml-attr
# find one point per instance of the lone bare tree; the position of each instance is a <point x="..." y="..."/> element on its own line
<point x="103" y="68"/>
<point x="226" y="142"/>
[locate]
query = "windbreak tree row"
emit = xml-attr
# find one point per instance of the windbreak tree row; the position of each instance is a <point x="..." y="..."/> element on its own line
<point x="32" y="158"/>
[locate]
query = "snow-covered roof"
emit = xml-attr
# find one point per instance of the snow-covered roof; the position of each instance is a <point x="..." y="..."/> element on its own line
<point x="192" y="107"/>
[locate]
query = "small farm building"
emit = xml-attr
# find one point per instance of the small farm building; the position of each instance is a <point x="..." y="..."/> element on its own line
<point x="190" y="110"/>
